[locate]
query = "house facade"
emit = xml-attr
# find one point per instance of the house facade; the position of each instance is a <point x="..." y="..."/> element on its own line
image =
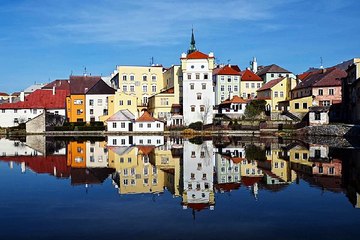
<point x="227" y="82"/>
<point x="250" y="83"/>
<point x="272" y="72"/>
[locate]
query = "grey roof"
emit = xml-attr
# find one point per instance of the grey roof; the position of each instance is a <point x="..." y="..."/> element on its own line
<point x="122" y="115"/>
<point x="121" y="150"/>
<point x="273" y="68"/>
<point x="34" y="87"/>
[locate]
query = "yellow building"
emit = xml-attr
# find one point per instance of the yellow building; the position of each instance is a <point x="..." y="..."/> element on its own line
<point x="134" y="172"/>
<point x="75" y="108"/>
<point x="280" y="167"/>
<point x="249" y="84"/>
<point x="300" y="105"/>
<point x="140" y="81"/>
<point x="121" y="101"/>
<point x="274" y="93"/>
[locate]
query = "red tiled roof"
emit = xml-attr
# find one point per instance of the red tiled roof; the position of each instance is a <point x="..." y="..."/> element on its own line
<point x="3" y="94"/>
<point x="198" y="206"/>
<point x="146" y="150"/>
<point x="324" y="77"/>
<point x="270" y="84"/>
<point x="248" y="75"/>
<point x="81" y="84"/>
<point x="146" y="117"/>
<point x="249" y="181"/>
<point x="40" y="99"/>
<point x="170" y="90"/>
<point x="235" y="99"/>
<point x="226" y="70"/>
<point x="197" y="55"/>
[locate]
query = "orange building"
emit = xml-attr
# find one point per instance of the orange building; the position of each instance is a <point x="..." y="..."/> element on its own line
<point x="76" y="154"/>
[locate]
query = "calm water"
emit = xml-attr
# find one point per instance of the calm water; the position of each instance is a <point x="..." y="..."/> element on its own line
<point x="171" y="188"/>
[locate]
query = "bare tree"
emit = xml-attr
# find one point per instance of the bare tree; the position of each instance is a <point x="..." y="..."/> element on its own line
<point x="206" y="111"/>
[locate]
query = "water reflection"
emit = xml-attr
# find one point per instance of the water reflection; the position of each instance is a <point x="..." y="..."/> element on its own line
<point x="194" y="170"/>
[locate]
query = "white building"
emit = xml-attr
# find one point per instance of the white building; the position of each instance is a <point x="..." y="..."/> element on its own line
<point x="121" y="121"/>
<point x="197" y="86"/>
<point x="126" y="141"/>
<point x="96" y="155"/>
<point x="198" y="174"/>
<point x="146" y="123"/>
<point x="50" y="100"/>
<point x="233" y="108"/>
<point x="227" y="82"/>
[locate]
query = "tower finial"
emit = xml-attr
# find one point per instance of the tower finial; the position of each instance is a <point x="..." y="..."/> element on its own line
<point x="192" y="47"/>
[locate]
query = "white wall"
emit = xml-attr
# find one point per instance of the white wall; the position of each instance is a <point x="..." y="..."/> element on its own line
<point x="97" y="107"/>
<point x="156" y="126"/>
<point x="116" y="126"/>
<point x="7" y="116"/>
<point x="96" y="156"/>
<point x="16" y="148"/>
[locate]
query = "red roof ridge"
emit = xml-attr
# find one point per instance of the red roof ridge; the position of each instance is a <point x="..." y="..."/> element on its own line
<point x="198" y="55"/>
<point x="226" y="70"/>
<point x="270" y="84"/>
<point x="146" y="117"/>
<point x="234" y="99"/>
<point x="248" y="75"/>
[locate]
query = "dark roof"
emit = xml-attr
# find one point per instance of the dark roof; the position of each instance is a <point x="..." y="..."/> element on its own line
<point x="89" y="175"/>
<point x="101" y="87"/>
<point x="61" y="84"/>
<point x="273" y="68"/>
<point x="82" y="84"/>
<point x="270" y="84"/>
<point x="324" y="77"/>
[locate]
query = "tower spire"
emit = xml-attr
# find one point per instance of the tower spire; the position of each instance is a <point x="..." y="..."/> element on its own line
<point x="192" y="47"/>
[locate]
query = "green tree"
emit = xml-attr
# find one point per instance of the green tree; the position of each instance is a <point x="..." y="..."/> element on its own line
<point x="254" y="152"/>
<point x="254" y="109"/>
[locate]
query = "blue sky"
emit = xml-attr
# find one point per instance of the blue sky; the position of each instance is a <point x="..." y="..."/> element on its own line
<point x="43" y="40"/>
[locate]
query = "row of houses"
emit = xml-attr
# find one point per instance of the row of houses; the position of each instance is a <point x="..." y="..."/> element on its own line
<point x="193" y="91"/>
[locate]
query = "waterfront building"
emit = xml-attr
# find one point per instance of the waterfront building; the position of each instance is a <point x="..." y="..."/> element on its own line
<point x="31" y="106"/>
<point x="233" y="108"/>
<point x="76" y="154"/>
<point x="226" y="82"/>
<point x="351" y="93"/>
<point x="272" y="72"/>
<point x="274" y="92"/>
<point x="249" y="84"/>
<point x="197" y="85"/>
<point x="121" y="121"/>
<point x="139" y="81"/>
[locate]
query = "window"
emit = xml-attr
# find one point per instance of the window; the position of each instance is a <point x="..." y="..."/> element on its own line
<point x="192" y="66"/>
<point x="281" y="94"/>
<point x="235" y="88"/>
<point x="192" y="154"/>
<point x="153" y="78"/>
<point x="205" y="76"/>
<point x="3" y="110"/>
<point x="331" y="91"/>
<point x="192" y="86"/>
<point x="149" y="125"/>
<point x="222" y="97"/>
<point x="297" y="155"/>
<point x="304" y="156"/>
<point x="144" y="88"/>
<point x="144" y="78"/>
<point x="229" y="88"/>
<point x="272" y="75"/>
<point x="247" y="85"/>
<point x="91" y="111"/>
<point x="79" y="111"/>
<point x="203" y="86"/>
<point x="296" y="105"/>
<point x="124" y="88"/>
<point x="192" y="176"/>
<point x="252" y="85"/>
<point x="121" y="102"/>
<point x="124" y="77"/>
<point x="202" y="108"/>
<point x="132" y="88"/>
<point x="158" y="125"/>
<point x="192" y="108"/>
<point x="317" y="153"/>
<point x="91" y="102"/>
<point x="317" y="116"/>
<point x="129" y="159"/>
<point x="197" y="76"/>
<point x="258" y="85"/>
<point x="128" y="102"/>
<point x="276" y="94"/>
<point x="320" y="92"/>
<point x="305" y="105"/>
<point x="121" y="160"/>
<point x="202" y="154"/>
<point x="99" y="102"/>
<point x="189" y="76"/>
<point x="122" y="125"/>
<point x="222" y="88"/>
<point x="204" y="176"/>
<point x="114" y="141"/>
<point x="325" y="103"/>
<point x="78" y="102"/>
<point x="132" y="77"/>
<point x="244" y="95"/>
<point x="229" y="79"/>
<point x="153" y="88"/>
<point x="189" y="186"/>
<point x="164" y="101"/>
<point x="331" y="170"/>
<point x="198" y="96"/>
<point x="140" y="125"/>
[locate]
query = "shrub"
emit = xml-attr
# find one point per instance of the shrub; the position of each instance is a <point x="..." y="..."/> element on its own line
<point x="196" y="126"/>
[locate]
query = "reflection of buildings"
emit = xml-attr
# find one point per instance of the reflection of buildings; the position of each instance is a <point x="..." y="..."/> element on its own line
<point x="133" y="171"/>
<point x="227" y="167"/>
<point x="123" y="140"/>
<point x="198" y="170"/>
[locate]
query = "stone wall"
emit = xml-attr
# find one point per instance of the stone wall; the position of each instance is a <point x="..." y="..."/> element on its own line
<point x="36" y="125"/>
<point x="330" y="130"/>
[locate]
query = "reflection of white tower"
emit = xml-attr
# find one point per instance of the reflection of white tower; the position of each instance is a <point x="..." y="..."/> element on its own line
<point x="198" y="175"/>
<point x="255" y="191"/>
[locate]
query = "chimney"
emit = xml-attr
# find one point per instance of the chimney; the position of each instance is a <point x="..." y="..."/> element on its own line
<point x="53" y="90"/>
<point x="22" y="96"/>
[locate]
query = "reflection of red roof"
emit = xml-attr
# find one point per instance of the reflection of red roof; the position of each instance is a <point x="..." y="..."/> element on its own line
<point x="248" y="75"/>
<point x="44" y="164"/>
<point x="227" y="187"/>
<point x="198" y="206"/>
<point x="3" y="94"/>
<point x="226" y="70"/>
<point x="235" y="160"/>
<point x="146" y="150"/>
<point x="270" y="84"/>
<point x="197" y="55"/>
<point x="40" y="99"/>
<point x="89" y="175"/>
<point x="146" y="117"/>
<point x="249" y="181"/>
<point x="235" y="99"/>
